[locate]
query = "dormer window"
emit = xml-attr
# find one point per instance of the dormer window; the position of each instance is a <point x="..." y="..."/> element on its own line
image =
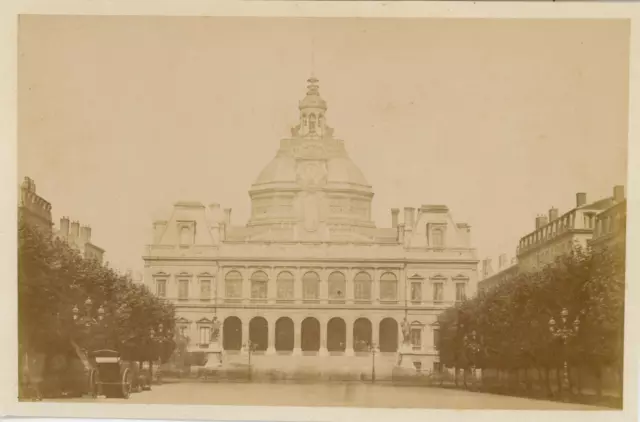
<point x="186" y="232"/>
<point x="437" y="238"/>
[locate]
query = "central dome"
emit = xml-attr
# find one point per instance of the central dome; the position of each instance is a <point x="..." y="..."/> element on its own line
<point x="311" y="180"/>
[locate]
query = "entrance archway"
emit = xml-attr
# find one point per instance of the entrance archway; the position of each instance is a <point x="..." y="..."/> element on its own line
<point x="336" y="335"/>
<point x="388" y="335"/>
<point x="284" y="335"/>
<point x="361" y="335"/>
<point x="232" y="333"/>
<point x="310" y="335"/>
<point x="259" y="333"/>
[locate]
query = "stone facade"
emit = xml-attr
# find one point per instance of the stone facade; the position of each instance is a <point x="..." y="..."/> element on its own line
<point x="32" y="208"/>
<point x="611" y="224"/>
<point x="558" y="234"/>
<point x="79" y="238"/>
<point x="310" y="274"/>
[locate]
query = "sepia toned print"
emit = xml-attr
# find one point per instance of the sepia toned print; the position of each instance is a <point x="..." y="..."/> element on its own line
<point x="307" y="212"/>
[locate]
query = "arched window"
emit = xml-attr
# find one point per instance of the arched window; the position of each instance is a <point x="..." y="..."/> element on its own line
<point x="388" y="287"/>
<point x="259" y="281"/>
<point x="284" y="284"/>
<point x="362" y="285"/>
<point x="437" y="238"/>
<point x="337" y="286"/>
<point x="233" y="285"/>
<point x="312" y="123"/>
<point x="310" y="286"/>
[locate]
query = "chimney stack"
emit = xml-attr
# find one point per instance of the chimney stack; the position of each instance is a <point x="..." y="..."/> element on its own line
<point x="75" y="229"/>
<point x="409" y="216"/>
<point x="553" y="214"/>
<point x="64" y="227"/>
<point x="85" y="234"/>
<point x="227" y="216"/>
<point x="581" y="199"/>
<point x="502" y="261"/>
<point x="394" y="217"/>
<point x="618" y="193"/>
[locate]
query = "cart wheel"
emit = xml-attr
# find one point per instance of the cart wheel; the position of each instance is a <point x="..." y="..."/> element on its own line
<point x="126" y="384"/>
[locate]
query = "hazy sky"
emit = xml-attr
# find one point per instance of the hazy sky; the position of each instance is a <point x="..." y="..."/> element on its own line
<point x="119" y="117"/>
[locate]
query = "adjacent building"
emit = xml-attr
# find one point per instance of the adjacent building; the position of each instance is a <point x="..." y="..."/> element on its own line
<point x="310" y="274"/>
<point x="597" y="224"/>
<point x="611" y="224"/>
<point x="557" y="234"/>
<point x="506" y="271"/>
<point x="36" y="212"/>
<point x="79" y="238"/>
<point x="33" y="209"/>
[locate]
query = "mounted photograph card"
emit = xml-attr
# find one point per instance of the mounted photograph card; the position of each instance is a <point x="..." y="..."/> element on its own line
<point x="320" y="210"/>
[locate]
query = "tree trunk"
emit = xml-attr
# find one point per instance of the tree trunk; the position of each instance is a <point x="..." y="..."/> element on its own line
<point x="547" y="381"/>
<point x="455" y="375"/>
<point x="579" y="380"/>
<point x="464" y="378"/>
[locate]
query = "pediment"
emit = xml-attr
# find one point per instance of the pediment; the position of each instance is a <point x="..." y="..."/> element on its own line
<point x="416" y="276"/>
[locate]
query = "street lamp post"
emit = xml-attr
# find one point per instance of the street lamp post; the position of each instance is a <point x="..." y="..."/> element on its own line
<point x="564" y="332"/>
<point x="85" y="320"/>
<point x="373" y="348"/>
<point x="250" y="347"/>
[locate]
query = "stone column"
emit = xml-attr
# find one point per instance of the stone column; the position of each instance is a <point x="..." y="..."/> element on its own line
<point x="272" y="290"/>
<point x="323" y="338"/>
<point x="324" y="286"/>
<point x="245" y="335"/>
<point x="246" y="285"/>
<point x="297" y="337"/>
<point x="271" y="341"/>
<point x="349" y="294"/>
<point x="349" y="334"/>
<point x="375" y="332"/>
<point x="297" y="285"/>
<point x="375" y="287"/>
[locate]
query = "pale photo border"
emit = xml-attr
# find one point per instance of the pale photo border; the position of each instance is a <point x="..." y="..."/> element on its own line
<point x="9" y="11"/>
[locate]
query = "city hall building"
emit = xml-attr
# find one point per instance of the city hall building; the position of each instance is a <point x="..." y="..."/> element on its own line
<point x="310" y="276"/>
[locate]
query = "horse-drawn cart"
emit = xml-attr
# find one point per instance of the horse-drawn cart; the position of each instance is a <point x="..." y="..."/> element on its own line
<point x="114" y="376"/>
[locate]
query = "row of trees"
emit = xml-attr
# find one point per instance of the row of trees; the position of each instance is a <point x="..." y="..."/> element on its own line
<point x="507" y="329"/>
<point x="64" y="297"/>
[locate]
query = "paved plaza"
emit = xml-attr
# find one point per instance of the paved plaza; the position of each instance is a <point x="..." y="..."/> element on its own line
<point x="334" y="394"/>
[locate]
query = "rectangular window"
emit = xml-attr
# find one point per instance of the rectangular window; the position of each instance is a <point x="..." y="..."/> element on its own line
<point x="436" y="338"/>
<point x="258" y="289"/>
<point x="388" y="290"/>
<point x="461" y="292"/>
<point x="437" y="368"/>
<point x="205" y="289"/>
<point x="161" y="288"/>
<point x="416" y="338"/>
<point x="233" y="289"/>
<point x="183" y="289"/>
<point x="416" y="291"/>
<point x="362" y="290"/>
<point x="438" y="292"/>
<point x="285" y="289"/>
<point x="205" y="335"/>
<point x="182" y="329"/>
